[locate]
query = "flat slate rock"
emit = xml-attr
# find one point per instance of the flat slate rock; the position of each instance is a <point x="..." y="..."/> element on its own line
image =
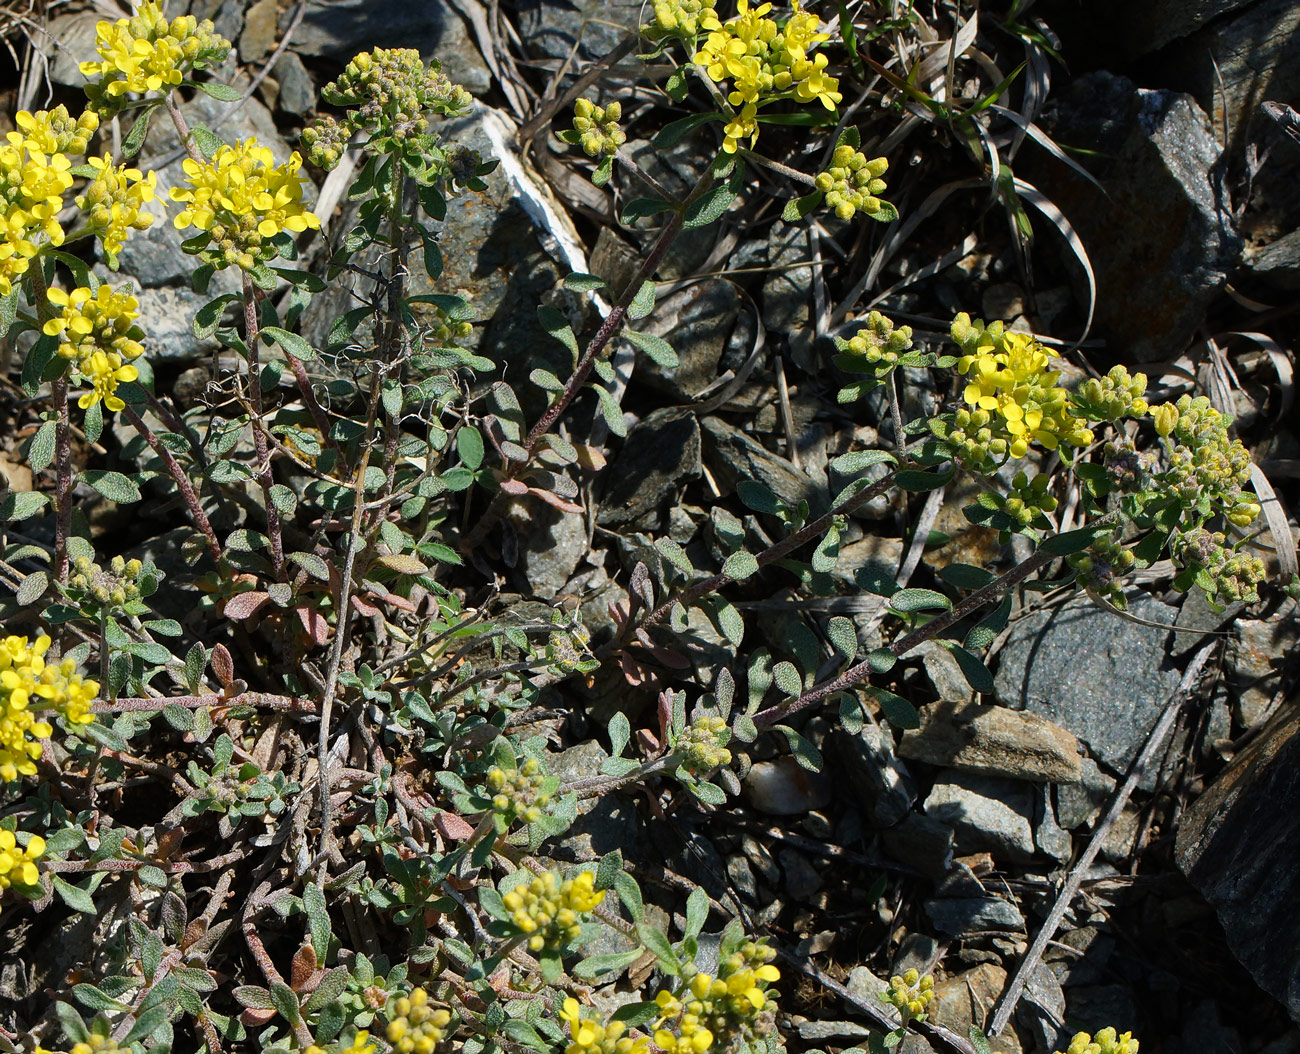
<point x="994" y="741"/>
<point x="1239" y="844"/>
<point x="1102" y="678"/>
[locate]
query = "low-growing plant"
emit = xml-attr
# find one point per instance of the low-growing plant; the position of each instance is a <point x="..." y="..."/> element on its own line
<point x="356" y="723"/>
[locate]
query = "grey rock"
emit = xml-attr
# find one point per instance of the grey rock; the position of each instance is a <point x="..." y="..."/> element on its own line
<point x="553" y="543"/>
<point x="258" y="37"/>
<point x="944" y="672"/>
<point x="603" y="824"/>
<point x="1255" y="661"/>
<point x="1099" y="1006"/>
<point x="1239" y="844"/>
<point x="1048" y="834"/>
<point x="784" y="788"/>
<point x="227" y="18"/>
<point x="985" y="813"/>
<point x="969" y="998"/>
<point x="1088" y="963"/>
<point x="994" y="741"/>
<point x="761" y="858"/>
<point x="659" y="456"/>
<point x="1206" y="1033"/>
<point x="741" y="876"/>
<point x="921" y="843"/>
<point x="733" y="456"/>
<point x="170" y="311"/>
<point x="1278" y="262"/>
<point x="864" y="984"/>
<point x="1148" y="26"/>
<point x="297" y="87"/>
<point x="1104" y="679"/>
<point x="787" y="290"/>
<point x="592" y="28"/>
<point x="820" y="1031"/>
<point x="1080" y="804"/>
<point x="878" y="553"/>
<point x="916" y="951"/>
<point x="801" y="878"/>
<point x="876" y="774"/>
<point x="342" y="28"/>
<point x="1042" y="1009"/>
<point x="1159" y="241"/>
<point x="697" y="321"/>
<point x="68" y="42"/>
<point x="1004" y="300"/>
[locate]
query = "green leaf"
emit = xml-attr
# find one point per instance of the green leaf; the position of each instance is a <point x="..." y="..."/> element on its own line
<point x="558" y="326"/>
<point x="887" y="213"/>
<point x="93" y="998"/>
<point x="644" y="301"/>
<point x="580" y="282"/>
<point x="983" y="634"/>
<point x="672" y="133"/>
<point x="788" y="679"/>
<point x="318" y="919"/>
<point x="658" y="350"/>
<point x="807" y="755"/>
<point x="1074" y="541"/>
<point x="612" y="413"/>
<point x="797" y="208"/>
<point x="843" y="635"/>
<point x="897" y="710"/>
<point x="93" y="423"/>
<point x="740" y="565"/>
<point x="312" y="564"/>
<point x="196" y="660"/>
<point x="600" y="175"/>
<point x="966" y="576"/>
<point x="907" y="601"/>
<point x="630" y="894"/>
<point x="620" y="731"/>
<point x="709" y="206"/>
<point x="658" y="945"/>
<point x="638" y="208"/>
<point x="220" y="92"/>
<point x="918" y="482"/>
<point x="881" y="660"/>
<point x="285" y="1002"/>
<point x="113" y="485"/>
<point x="134" y="139"/>
<point x="208" y="317"/>
<point x="595" y="966"/>
<point x="40" y="362"/>
<point x="759" y="497"/>
<point x="205" y="139"/>
<point x="469" y="445"/>
<point x="976" y="673"/>
<point x="74" y="896"/>
<point x="859" y="460"/>
<point x="40" y="451"/>
<point x="978" y="1041"/>
<point x="292" y="343"/>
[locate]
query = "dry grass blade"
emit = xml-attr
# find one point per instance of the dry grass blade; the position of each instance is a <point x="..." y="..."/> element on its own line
<point x="1282" y="365"/>
<point x="1048" y="208"/>
<point x="1045" y="141"/>
<point x="1278" y="527"/>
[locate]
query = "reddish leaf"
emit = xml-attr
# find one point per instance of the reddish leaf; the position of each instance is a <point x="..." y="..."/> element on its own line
<point x="452" y="827"/>
<point x="363" y="608"/>
<point x="303" y="969"/>
<point x="554" y="499"/>
<point x="223" y="665"/>
<point x="314" y="623"/>
<point x="252" y="1018"/>
<point x="514" y="486"/>
<point x="245" y="605"/>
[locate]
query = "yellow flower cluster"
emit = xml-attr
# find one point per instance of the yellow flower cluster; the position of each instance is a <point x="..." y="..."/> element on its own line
<point x="114" y="202"/>
<point x="852" y="183"/>
<point x="1114" y="396"/>
<point x="32" y="185"/>
<point x="96" y="1044"/>
<point x="148" y="53"/>
<point x="1105" y="1042"/>
<point x="681" y="18"/>
<point x="18" y="863"/>
<point x="360" y="1045"/>
<point x="415" y="1027"/>
<point x="593" y="1037"/>
<point x="1013" y="392"/>
<point x="242" y="199"/>
<point x="53" y="131"/>
<point x="98" y="334"/>
<point x="713" y="1012"/>
<point x="517" y="793"/>
<point x="910" y="994"/>
<point x="548" y="910"/>
<point x="764" y="61"/>
<point x="29" y="685"/>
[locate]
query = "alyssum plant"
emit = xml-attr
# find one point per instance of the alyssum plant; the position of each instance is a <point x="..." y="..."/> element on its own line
<point x="365" y="756"/>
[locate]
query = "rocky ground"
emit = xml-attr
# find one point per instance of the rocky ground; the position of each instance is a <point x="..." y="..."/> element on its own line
<point x="942" y="847"/>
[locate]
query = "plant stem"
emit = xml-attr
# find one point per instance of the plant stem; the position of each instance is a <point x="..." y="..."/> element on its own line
<point x="182" y="127"/>
<point x="181" y="480"/>
<point x="896" y="412"/>
<point x="200" y="702"/>
<point x="264" y="477"/>
<point x="62" y="435"/>
<point x="856" y="674"/>
<point x="776" y="552"/>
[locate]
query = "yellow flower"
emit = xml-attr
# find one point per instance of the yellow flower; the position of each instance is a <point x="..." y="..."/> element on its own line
<point x="105" y="372"/>
<point x="593" y="1037"/>
<point x="32" y="185"/>
<point x="548" y="910"/>
<point x="53" y="131"/>
<point x="18" y="863"/>
<point x="28" y="686"/>
<point x="114" y="202"/>
<point x="242" y="198"/>
<point x="737" y="1004"/>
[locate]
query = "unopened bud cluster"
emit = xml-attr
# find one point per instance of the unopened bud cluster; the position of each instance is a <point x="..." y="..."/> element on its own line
<point x="1114" y="396"/>
<point x="715" y="1013"/>
<point x="1107" y="1041"/>
<point x="852" y="183"/>
<point x="549" y="910"/>
<point x="566" y="648"/>
<point x="54" y="131"/>
<point x="518" y="793"/>
<point x="679" y="18"/>
<point x="878" y="342"/>
<point x="1127" y="468"/>
<point x="1205" y="462"/>
<point x="596" y="127"/>
<point x="1102" y="567"/>
<point x="414" y="1027"/>
<point x="703" y="745"/>
<point x="910" y="993"/>
<point x="1029" y="498"/>
<point x="1229" y="576"/>
<point x="111" y="588"/>
<point x="390" y="92"/>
